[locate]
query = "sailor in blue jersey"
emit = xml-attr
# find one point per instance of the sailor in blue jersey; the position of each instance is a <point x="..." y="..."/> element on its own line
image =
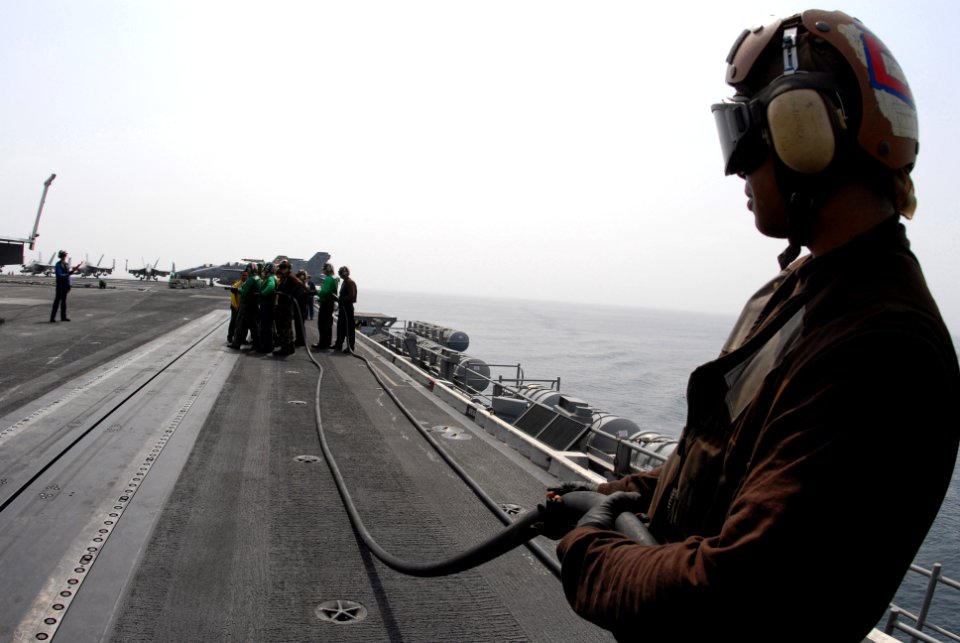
<point x="783" y="477"/>
<point x="63" y="272"/>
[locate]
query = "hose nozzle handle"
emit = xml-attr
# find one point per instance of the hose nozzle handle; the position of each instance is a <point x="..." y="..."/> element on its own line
<point x="580" y="502"/>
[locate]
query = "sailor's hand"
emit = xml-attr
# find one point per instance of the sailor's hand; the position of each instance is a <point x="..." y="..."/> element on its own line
<point x="571" y="485"/>
<point x="604" y="514"/>
<point x="557" y="518"/>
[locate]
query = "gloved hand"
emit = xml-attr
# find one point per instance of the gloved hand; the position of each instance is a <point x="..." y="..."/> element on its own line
<point x="603" y="515"/>
<point x="557" y="518"/>
<point x="572" y="485"/>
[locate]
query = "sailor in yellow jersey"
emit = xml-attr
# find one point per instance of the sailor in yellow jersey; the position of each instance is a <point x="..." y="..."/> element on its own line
<point x="235" y="304"/>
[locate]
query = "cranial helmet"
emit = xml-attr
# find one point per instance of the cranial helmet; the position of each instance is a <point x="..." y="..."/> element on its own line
<point x="811" y="87"/>
<point x="344" y="272"/>
<point x="62" y="254"/>
<point x="826" y="97"/>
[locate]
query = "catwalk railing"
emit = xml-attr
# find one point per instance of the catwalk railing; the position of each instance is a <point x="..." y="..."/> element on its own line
<point x="920" y="621"/>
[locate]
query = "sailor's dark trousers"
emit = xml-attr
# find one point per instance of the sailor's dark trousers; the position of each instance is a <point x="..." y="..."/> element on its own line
<point x="325" y="324"/>
<point x="346" y="328"/>
<point x="60" y="300"/>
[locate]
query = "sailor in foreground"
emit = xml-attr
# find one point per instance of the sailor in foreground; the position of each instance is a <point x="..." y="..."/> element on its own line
<point x="785" y="499"/>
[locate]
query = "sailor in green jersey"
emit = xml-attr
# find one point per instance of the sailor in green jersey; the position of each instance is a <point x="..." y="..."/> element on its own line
<point x="327" y="294"/>
<point x="268" y="304"/>
<point x="247" y="318"/>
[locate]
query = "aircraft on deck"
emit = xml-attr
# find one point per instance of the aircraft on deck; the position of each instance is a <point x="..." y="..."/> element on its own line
<point x="95" y="269"/>
<point x="313" y="266"/>
<point x="224" y="273"/>
<point x="38" y="267"/>
<point x="149" y="271"/>
<point x="227" y="273"/>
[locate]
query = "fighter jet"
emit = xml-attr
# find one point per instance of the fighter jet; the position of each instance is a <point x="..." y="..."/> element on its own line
<point x="225" y="273"/>
<point x="229" y="272"/>
<point x="95" y="269"/>
<point x="314" y="266"/>
<point x="149" y="271"/>
<point x="38" y="267"/>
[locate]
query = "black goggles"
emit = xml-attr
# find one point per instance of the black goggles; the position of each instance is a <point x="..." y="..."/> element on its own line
<point x="740" y="127"/>
<point x="741" y="121"/>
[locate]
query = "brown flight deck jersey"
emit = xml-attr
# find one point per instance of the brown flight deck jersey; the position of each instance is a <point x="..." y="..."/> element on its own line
<point x="348" y="291"/>
<point x="816" y="454"/>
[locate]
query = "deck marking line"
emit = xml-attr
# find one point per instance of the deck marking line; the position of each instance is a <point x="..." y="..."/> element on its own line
<point x="47" y="611"/>
<point x="102" y="376"/>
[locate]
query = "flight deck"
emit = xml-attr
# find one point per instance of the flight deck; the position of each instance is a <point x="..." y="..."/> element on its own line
<point x="157" y="485"/>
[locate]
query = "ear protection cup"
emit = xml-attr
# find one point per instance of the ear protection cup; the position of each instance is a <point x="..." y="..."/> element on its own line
<point x="801" y="130"/>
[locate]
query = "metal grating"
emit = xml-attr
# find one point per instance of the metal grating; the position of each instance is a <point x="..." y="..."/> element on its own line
<point x="535" y="419"/>
<point x="562" y="433"/>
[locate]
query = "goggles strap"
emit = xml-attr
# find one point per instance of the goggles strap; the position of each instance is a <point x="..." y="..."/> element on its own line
<point x="791" y="61"/>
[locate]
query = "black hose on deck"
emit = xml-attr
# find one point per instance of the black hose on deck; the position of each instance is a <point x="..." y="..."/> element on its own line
<point x="543" y="555"/>
<point x="519" y="532"/>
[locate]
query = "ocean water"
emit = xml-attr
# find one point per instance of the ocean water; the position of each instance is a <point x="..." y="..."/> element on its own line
<point x="634" y="363"/>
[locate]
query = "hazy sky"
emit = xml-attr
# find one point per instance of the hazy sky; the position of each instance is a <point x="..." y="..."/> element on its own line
<point x="546" y="150"/>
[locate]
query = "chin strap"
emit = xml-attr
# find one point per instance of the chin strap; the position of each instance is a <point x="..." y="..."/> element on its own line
<point x="789" y="254"/>
<point x="802" y="209"/>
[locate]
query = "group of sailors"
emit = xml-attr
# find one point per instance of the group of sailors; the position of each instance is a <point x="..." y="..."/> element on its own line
<point x="269" y="305"/>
